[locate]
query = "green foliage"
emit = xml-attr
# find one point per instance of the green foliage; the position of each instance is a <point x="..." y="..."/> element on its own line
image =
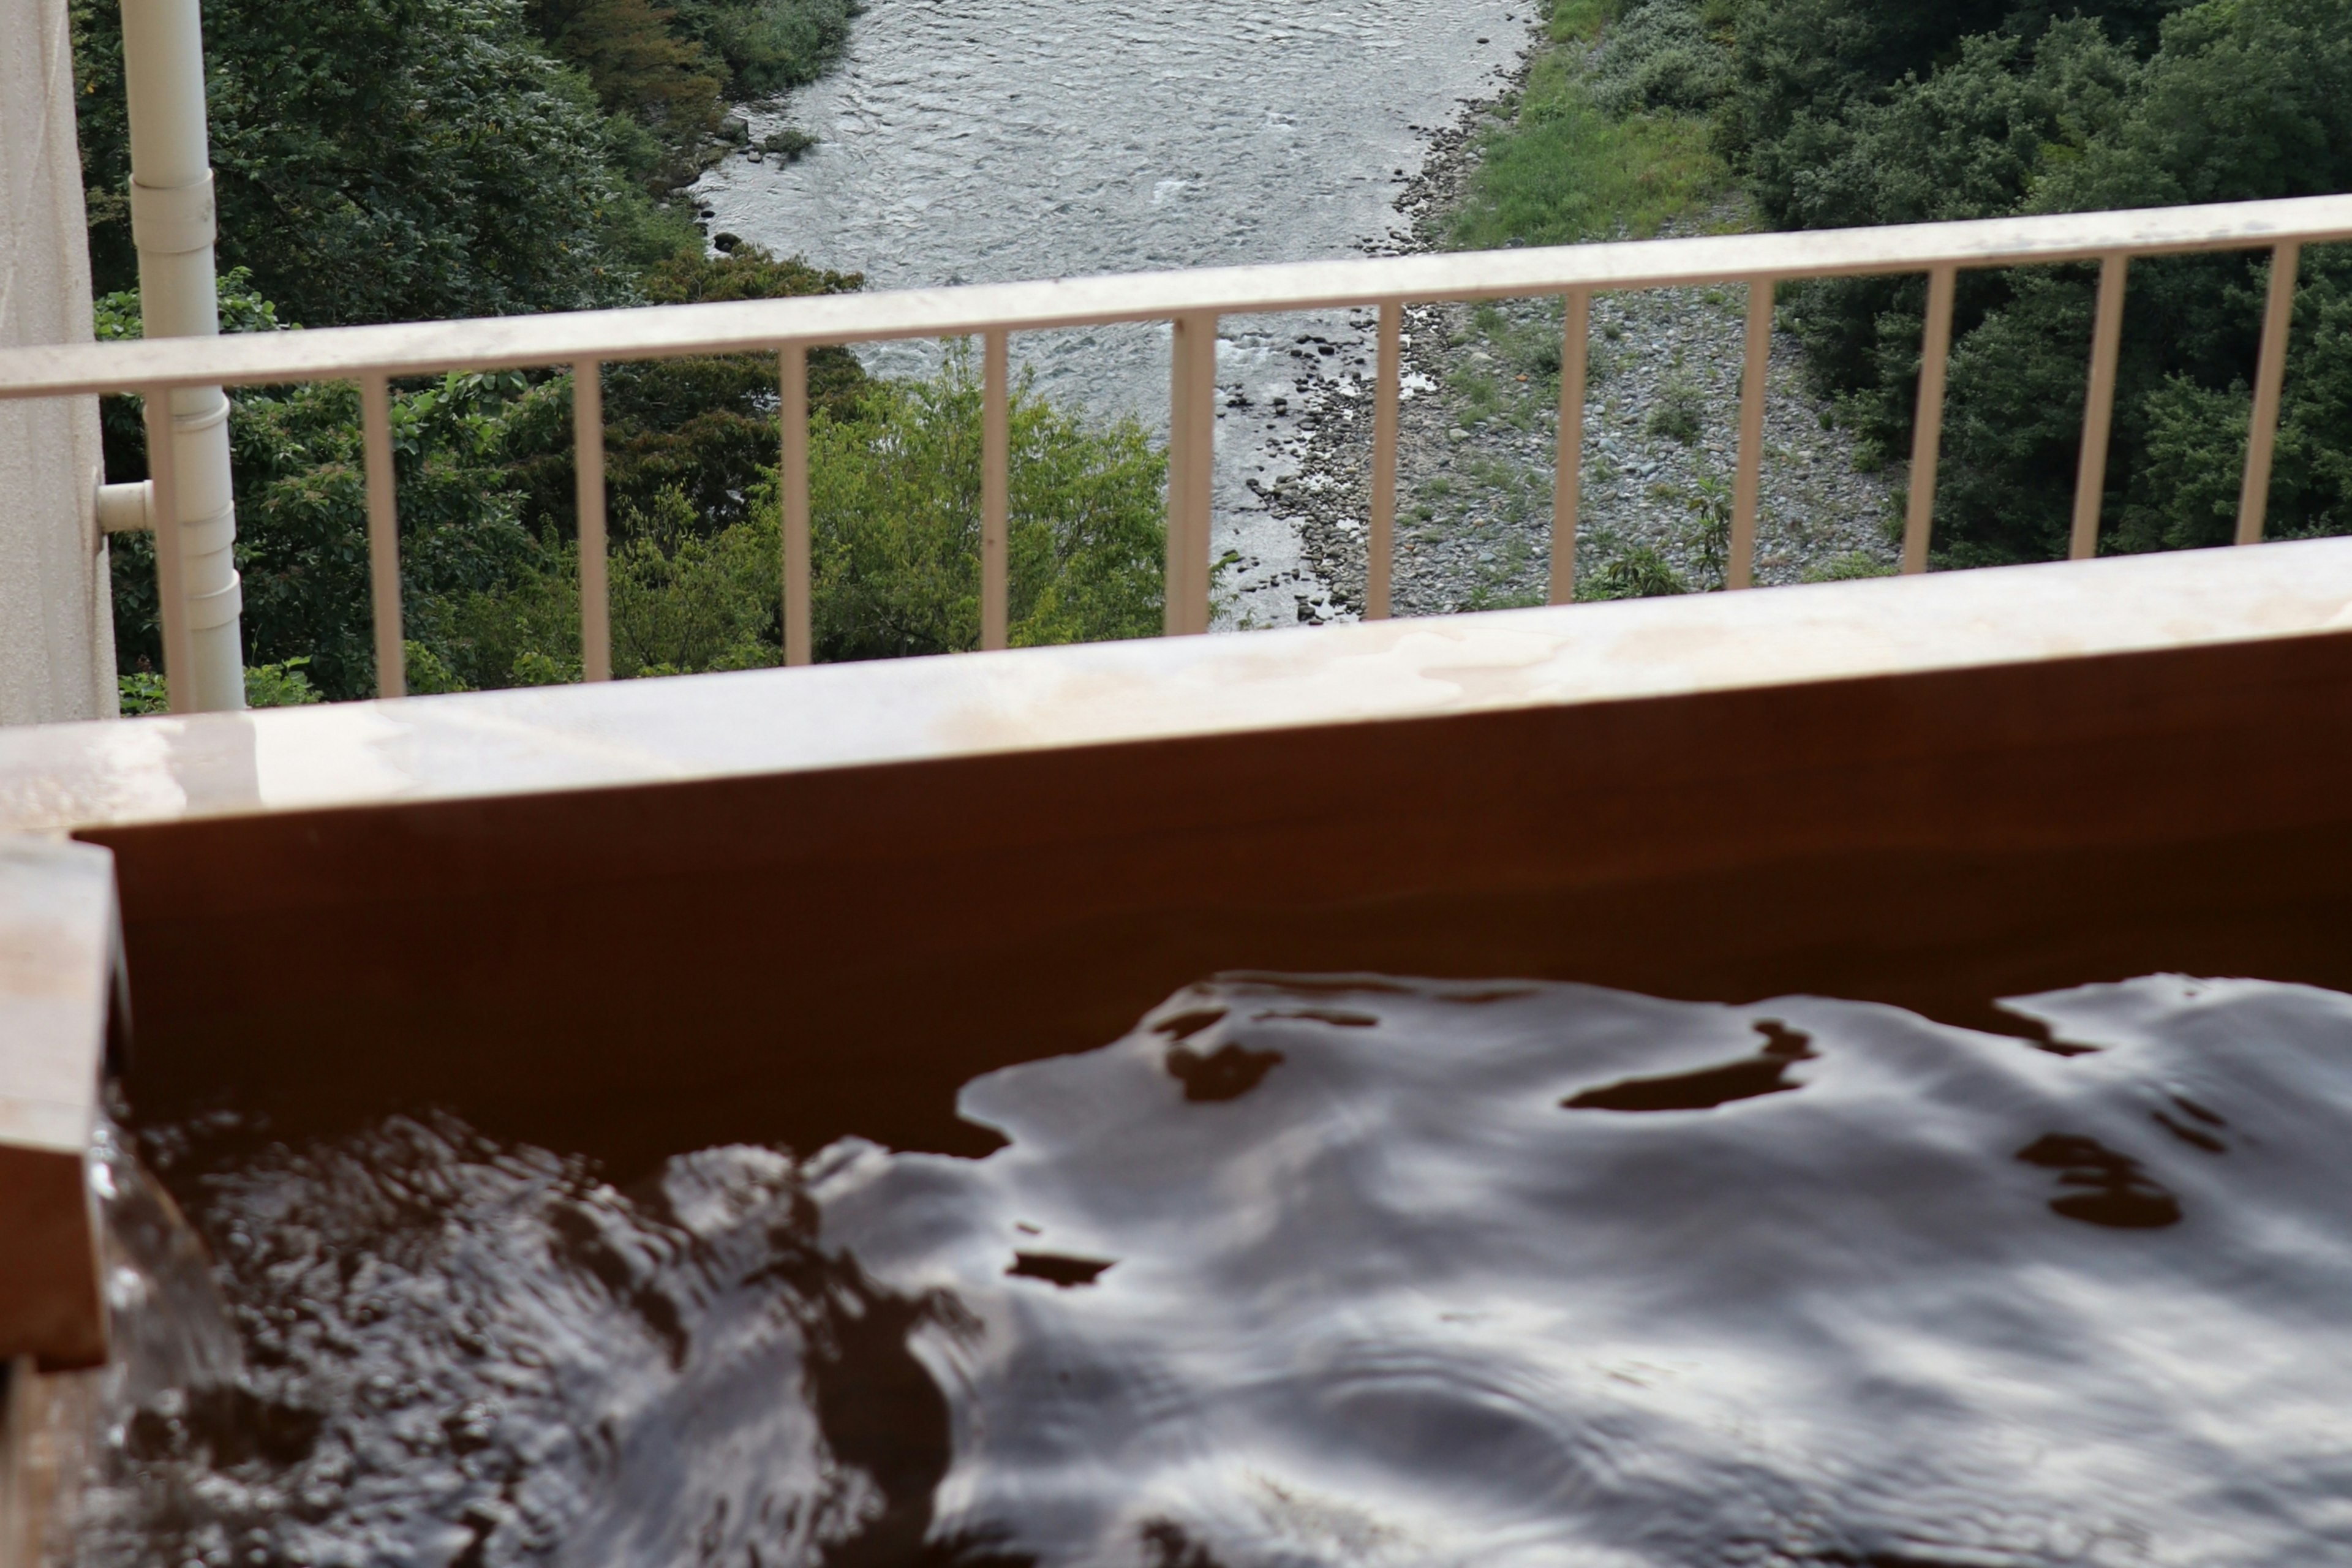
<point x="704" y="425"/>
<point x="381" y="160"/>
<point x="1802" y="68"/>
<point x="1680" y="414"/>
<point x="140" y="693"/>
<point x="266" y="685"/>
<point x="637" y="62"/>
<point x="1710" y="505"/>
<point x="1668" y="55"/>
<point x="1609" y="135"/>
<point x="1865" y="111"/>
<point x="682" y="601"/>
<point x="894" y="492"/>
<point x="895" y="489"/>
<point x="788" y="143"/>
<point x="302" y="521"/>
<point x="1848" y="567"/>
<point x="283" y="685"/>
<point x="768" y="45"/>
<point x="1639" y="572"/>
<point x="671" y="70"/>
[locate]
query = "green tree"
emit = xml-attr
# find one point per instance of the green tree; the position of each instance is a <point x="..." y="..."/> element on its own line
<point x="665" y="73"/>
<point x="2134" y="106"/>
<point x="1803" y="68"/>
<point x="894" y="492"/>
<point x="386" y="160"/>
<point x="704" y="425"/>
<point x="894" y="488"/>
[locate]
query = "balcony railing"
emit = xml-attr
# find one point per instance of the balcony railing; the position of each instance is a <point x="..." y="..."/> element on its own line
<point x="1192" y="302"/>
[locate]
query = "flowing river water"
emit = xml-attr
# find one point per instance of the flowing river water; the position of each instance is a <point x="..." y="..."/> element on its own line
<point x="988" y="141"/>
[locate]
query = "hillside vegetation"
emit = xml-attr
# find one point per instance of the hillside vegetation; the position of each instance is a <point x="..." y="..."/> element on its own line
<point x="383" y="160"/>
<point x="1841" y="112"/>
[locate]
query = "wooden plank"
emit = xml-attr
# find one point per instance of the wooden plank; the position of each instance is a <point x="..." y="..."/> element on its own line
<point x="57" y="968"/>
<point x="787" y="905"/>
<point x="60" y="778"/>
<point x="46" y="1424"/>
<point x="419" y="348"/>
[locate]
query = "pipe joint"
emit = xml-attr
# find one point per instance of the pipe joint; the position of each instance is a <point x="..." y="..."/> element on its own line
<point x="172" y="220"/>
<point x="218" y="608"/>
<point x="214" y="412"/>
<point x="205" y="535"/>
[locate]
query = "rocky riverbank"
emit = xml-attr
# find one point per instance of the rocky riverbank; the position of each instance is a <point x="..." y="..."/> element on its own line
<point x="1478" y="429"/>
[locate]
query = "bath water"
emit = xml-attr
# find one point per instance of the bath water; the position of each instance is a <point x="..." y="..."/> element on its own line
<point x="1353" y="1271"/>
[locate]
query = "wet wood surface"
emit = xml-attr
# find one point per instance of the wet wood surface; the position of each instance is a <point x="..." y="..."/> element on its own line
<point x="788" y="905"/>
<point x="56" y="950"/>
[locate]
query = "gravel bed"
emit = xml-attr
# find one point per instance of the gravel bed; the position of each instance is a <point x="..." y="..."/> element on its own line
<point x="1478" y="426"/>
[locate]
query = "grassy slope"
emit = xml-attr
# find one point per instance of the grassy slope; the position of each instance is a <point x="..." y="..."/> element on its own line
<point x="1561" y="169"/>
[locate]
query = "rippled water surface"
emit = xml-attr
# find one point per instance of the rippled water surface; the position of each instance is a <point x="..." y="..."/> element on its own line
<point x="986" y="141"/>
<point x="1346" y="1273"/>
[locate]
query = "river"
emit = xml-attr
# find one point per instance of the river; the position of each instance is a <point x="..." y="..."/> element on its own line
<point x="988" y="141"/>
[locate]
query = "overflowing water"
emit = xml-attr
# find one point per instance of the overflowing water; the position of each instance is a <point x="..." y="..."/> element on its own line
<point x="988" y="141"/>
<point x="1358" y="1272"/>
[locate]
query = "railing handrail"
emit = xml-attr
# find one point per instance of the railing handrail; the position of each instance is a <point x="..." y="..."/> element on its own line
<point x="1190" y="303"/>
<point x="653" y="332"/>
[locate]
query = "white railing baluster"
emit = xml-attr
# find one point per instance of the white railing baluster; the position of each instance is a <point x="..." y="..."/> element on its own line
<point x="384" y="536"/>
<point x="588" y="463"/>
<point x="995" y="485"/>
<point x="1928" y="418"/>
<point x="1388" y="385"/>
<point x="1193" y="302"/>
<point x="1191" y="452"/>
<point x="792" y="497"/>
<point x="172" y="599"/>
<point x="2270" y="381"/>
<point x="2099" y="407"/>
<point x="1748" y="488"/>
<point x="1568" y="458"/>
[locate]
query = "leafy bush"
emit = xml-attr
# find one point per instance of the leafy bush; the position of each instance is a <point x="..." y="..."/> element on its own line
<point x="1603" y="139"/>
<point x="672" y="68"/>
<point x="301" y="500"/>
<point x="266" y="685"/>
<point x="894" y="486"/>
<point x="705" y="426"/>
<point x="1710" y="505"/>
<point x="1639" y="572"/>
<point x="1848" y="567"/>
<point x="893" y="490"/>
<point x="639" y="64"/>
<point x="1663" y="55"/>
<point x="788" y="143"/>
<point x="1680" y="414"/>
<point x="769" y="44"/>
<point x="1865" y="111"/>
<point x="383" y="160"/>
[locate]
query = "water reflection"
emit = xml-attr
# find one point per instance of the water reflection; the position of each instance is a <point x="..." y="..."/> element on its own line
<point x="1323" y="1274"/>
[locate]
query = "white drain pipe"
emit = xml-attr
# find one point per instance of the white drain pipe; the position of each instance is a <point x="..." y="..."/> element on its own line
<point x="172" y="224"/>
